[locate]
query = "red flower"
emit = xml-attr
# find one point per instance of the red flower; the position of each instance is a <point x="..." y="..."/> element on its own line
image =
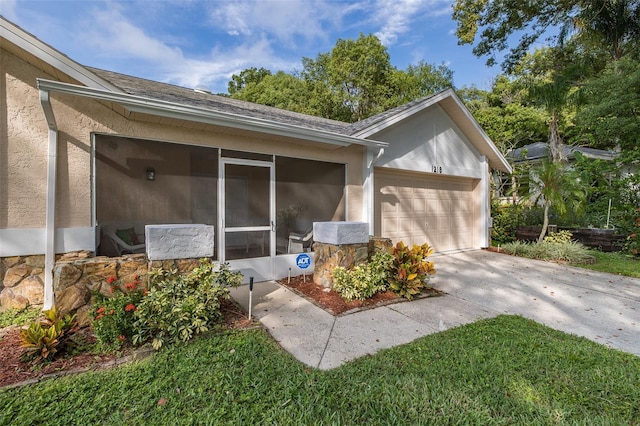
<point x="111" y="312"/>
<point x="122" y="337"/>
<point x="111" y="280"/>
<point x="130" y="307"/>
<point x="100" y="310"/>
<point x="130" y="286"/>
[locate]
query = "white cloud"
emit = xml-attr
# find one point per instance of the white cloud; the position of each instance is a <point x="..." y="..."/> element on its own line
<point x="114" y="35"/>
<point x="396" y="17"/>
<point x="285" y="20"/>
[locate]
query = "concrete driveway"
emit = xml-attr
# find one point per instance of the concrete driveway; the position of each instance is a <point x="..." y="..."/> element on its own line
<point x="602" y="307"/>
<point x="479" y="284"/>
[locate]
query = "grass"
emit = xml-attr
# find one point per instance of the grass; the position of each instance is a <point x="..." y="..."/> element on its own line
<point x="615" y="263"/>
<point x="506" y="370"/>
<point x="18" y="317"/>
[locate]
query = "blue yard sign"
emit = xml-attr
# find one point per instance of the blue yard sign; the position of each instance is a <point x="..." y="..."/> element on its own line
<point x="303" y="260"/>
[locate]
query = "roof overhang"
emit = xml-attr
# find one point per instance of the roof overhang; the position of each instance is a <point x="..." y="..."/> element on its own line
<point x="454" y="107"/>
<point x="145" y="105"/>
<point x="51" y="56"/>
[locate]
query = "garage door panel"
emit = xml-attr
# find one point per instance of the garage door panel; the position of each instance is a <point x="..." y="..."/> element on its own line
<point x="427" y="208"/>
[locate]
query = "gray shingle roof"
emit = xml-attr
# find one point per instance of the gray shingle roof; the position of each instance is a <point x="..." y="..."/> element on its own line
<point x="167" y="92"/>
<point x="538" y="150"/>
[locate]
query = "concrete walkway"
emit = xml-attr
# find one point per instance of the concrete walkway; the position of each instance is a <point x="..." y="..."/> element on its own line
<point x="479" y="284"/>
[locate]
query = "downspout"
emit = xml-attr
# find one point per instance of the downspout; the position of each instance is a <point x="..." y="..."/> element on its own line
<point x="485" y="204"/>
<point x="50" y="220"/>
<point x="370" y="189"/>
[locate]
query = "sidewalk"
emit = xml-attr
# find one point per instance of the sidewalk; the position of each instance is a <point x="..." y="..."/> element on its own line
<point x="479" y="284"/>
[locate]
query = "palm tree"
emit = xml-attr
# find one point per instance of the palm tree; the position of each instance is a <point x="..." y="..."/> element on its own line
<point x="555" y="184"/>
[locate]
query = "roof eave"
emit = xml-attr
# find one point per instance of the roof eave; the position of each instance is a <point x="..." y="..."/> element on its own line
<point x="495" y="157"/>
<point x="175" y="110"/>
<point x="51" y="56"/>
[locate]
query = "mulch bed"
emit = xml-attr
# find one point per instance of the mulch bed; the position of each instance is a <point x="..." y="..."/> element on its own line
<point x="332" y="302"/>
<point x="15" y="370"/>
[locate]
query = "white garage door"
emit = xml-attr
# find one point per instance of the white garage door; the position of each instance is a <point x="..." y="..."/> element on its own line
<point x="418" y="208"/>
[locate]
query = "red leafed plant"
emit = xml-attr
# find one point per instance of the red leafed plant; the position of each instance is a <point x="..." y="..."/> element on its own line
<point x="411" y="269"/>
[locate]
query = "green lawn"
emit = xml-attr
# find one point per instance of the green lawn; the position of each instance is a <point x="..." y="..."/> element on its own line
<point x="507" y="370"/>
<point x="615" y="263"/>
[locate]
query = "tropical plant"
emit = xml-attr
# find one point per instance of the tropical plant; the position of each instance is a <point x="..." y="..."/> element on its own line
<point x="178" y="307"/>
<point x="47" y="336"/>
<point x="555" y="184"/>
<point x="363" y="281"/>
<point x="411" y="269"/>
<point x="113" y="316"/>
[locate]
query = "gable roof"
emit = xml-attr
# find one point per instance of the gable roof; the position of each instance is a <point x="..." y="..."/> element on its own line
<point x="540" y="150"/>
<point x="166" y="100"/>
<point x="455" y="109"/>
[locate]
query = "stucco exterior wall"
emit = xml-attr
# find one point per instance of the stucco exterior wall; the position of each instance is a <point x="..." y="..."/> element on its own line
<point x="23" y="160"/>
<point x="23" y="150"/>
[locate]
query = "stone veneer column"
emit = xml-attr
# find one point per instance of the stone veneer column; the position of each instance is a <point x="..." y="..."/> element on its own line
<point x="338" y="244"/>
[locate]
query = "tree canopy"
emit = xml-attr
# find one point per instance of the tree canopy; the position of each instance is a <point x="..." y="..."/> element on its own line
<point x="353" y="81"/>
<point x="613" y="25"/>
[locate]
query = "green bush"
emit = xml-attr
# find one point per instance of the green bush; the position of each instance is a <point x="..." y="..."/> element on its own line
<point x="571" y="251"/>
<point x="177" y="306"/>
<point x="113" y="317"/>
<point x="411" y="269"/>
<point x="561" y="237"/>
<point x="363" y="281"/>
<point x="506" y="219"/>
<point x="47" y="336"/>
<point x="632" y="245"/>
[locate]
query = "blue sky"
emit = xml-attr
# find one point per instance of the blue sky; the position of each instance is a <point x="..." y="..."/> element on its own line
<point x="195" y="43"/>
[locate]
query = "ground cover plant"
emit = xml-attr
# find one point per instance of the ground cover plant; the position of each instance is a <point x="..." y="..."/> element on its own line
<point x="10" y="317"/>
<point x="556" y="246"/>
<point x="505" y="370"/>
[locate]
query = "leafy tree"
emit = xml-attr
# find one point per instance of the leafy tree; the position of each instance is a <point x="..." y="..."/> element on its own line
<point x="280" y="90"/>
<point x="246" y="78"/>
<point x="614" y="22"/>
<point x="360" y="70"/>
<point x="609" y="116"/>
<point x="353" y="81"/>
<point x="419" y="81"/>
<point x="505" y="114"/>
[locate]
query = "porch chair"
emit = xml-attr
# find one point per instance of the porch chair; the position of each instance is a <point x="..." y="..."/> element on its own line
<point x="125" y="240"/>
<point x="299" y="243"/>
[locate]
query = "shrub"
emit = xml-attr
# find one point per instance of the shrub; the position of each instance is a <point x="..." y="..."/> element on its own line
<point x="177" y="306"/>
<point x="47" y="336"/>
<point x="506" y="218"/>
<point x="411" y="269"/>
<point x="561" y="237"/>
<point x="571" y="251"/>
<point x="632" y="245"/>
<point x="363" y="281"/>
<point x="113" y="317"/>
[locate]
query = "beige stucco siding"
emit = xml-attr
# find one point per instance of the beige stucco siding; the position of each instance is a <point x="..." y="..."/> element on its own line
<point x="23" y="162"/>
<point x="23" y="190"/>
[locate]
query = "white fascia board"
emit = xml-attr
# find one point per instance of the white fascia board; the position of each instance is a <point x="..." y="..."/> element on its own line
<point x="51" y="56"/>
<point x="203" y="115"/>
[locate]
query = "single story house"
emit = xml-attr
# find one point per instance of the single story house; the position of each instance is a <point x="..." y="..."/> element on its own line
<point x="83" y="150"/>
